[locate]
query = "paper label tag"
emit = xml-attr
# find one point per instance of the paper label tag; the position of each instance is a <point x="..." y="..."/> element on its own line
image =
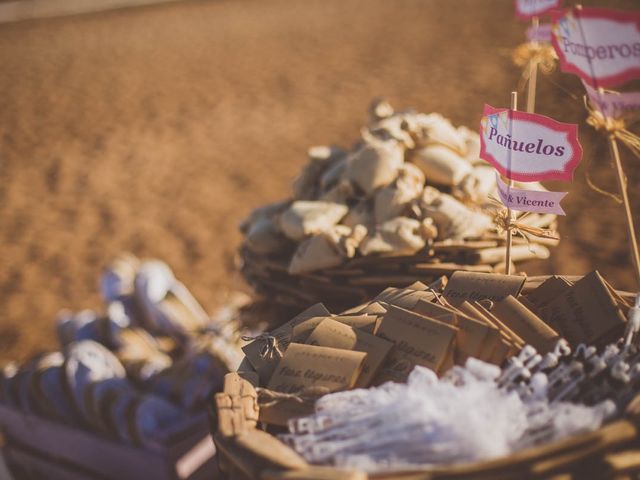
<point x="613" y="104"/>
<point x="529" y="147"/>
<point x="494" y="336"/>
<point x="542" y="34"/>
<point x="527" y="9"/>
<point x="526" y="324"/>
<point x="365" y="322"/>
<point x="403" y="297"/>
<point x="505" y="331"/>
<point x="479" y="286"/>
<point x="264" y="365"/>
<point x="418" y="285"/>
<point x="418" y="340"/>
<point x="548" y="291"/>
<point x="438" y="312"/>
<point x="472" y="335"/>
<point x="601" y="46"/>
<point x="304" y="366"/>
<point x="331" y="333"/>
<point x="373" y="308"/>
<point x="302" y="331"/>
<point x="530" y="200"/>
<point x="585" y="312"/>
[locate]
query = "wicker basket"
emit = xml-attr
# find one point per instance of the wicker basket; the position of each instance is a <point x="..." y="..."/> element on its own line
<point x="362" y="278"/>
<point x="244" y="452"/>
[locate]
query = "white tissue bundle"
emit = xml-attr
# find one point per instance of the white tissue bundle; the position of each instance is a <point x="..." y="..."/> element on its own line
<point x="462" y="417"/>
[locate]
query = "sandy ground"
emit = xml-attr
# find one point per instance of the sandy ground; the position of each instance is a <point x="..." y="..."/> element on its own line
<point x="157" y="129"/>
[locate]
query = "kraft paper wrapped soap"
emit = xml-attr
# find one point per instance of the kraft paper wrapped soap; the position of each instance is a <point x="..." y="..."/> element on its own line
<point x="375" y="164"/>
<point x="303" y="219"/>
<point x="442" y="165"/>
<point x="399" y="235"/>
<point x="395" y="199"/>
<point x="452" y="218"/>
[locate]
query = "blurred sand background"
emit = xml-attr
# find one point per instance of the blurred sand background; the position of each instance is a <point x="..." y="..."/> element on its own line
<point x="157" y="129"/>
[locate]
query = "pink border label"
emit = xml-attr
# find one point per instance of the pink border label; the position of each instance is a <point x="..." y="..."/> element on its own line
<point x="613" y="104"/>
<point x="529" y="128"/>
<point x="537" y="201"/>
<point x="568" y="20"/>
<point x="536" y="10"/>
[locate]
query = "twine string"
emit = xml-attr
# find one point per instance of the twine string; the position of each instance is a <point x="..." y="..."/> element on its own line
<point x="270" y="349"/>
<point x="269" y="398"/>
<point x="530" y="54"/>
<point x="505" y="223"/>
<point x="616" y="128"/>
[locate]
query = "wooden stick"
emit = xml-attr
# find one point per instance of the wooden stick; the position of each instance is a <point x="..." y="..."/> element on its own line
<point x="622" y="185"/>
<point x="533" y="75"/>
<point x="514" y="106"/>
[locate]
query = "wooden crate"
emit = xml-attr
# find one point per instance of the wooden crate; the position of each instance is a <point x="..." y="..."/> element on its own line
<point x="38" y="448"/>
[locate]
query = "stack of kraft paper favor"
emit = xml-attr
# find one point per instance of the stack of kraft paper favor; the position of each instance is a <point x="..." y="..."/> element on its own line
<point x="489" y="317"/>
<point x="543" y="339"/>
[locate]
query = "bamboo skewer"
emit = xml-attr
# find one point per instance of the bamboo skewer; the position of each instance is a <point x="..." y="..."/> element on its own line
<point x="533" y="74"/>
<point x="622" y="185"/>
<point x="514" y="106"/>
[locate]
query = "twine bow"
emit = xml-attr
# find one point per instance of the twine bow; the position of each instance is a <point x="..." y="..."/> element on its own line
<point x="438" y="296"/>
<point x="531" y="54"/>
<point x="270" y="349"/>
<point x="269" y="398"/>
<point x="615" y="128"/>
<point x="504" y="223"/>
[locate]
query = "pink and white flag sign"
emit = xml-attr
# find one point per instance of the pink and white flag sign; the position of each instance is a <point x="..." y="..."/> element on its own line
<point x="601" y="46"/>
<point x="530" y="200"/>
<point x="541" y="33"/>
<point x="528" y="147"/>
<point x="613" y="104"/>
<point x="527" y="9"/>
